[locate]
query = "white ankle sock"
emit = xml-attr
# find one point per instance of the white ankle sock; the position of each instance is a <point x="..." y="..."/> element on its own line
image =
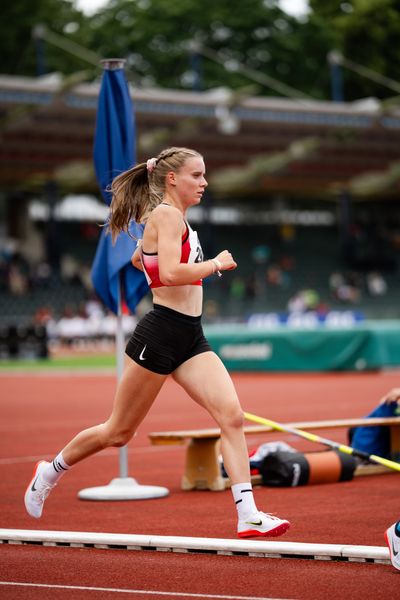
<point x="244" y="499"/>
<point x="55" y="470"/>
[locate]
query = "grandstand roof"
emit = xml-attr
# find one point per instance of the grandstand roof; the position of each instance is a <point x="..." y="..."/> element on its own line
<point x="48" y="124"/>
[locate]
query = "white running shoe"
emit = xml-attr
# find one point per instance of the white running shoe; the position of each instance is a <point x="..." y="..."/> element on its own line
<point x="37" y="491"/>
<point x="393" y="541"/>
<point x="262" y="524"/>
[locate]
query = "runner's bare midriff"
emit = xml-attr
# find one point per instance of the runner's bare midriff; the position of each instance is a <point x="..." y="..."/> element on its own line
<point x="186" y="299"/>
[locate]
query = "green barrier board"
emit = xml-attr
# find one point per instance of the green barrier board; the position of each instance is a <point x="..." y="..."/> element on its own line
<point x="370" y="345"/>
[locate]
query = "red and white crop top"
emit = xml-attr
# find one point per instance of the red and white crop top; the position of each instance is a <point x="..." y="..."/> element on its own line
<point x="191" y="253"/>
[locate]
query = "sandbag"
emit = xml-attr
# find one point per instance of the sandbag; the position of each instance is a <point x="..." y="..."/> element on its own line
<point x="292" y="469"/>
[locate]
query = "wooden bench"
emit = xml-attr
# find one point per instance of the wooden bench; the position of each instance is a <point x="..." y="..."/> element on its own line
<point x="202" y="467"/>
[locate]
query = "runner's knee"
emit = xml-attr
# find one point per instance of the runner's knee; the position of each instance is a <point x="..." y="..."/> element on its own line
<point x="116" y="436"/>
<point x="232" y="419"/>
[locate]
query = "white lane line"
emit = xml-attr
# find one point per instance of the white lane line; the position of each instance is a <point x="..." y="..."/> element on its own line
<point x="129" y="591"/>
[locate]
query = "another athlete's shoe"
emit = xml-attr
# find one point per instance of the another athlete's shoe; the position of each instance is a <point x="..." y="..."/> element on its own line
<point x="393" y="541"/>
<point x="262" y="524"/>
<point x="37" y="491"/>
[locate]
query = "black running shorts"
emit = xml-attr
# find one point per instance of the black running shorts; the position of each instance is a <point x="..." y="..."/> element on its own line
<point x="164" y="339"/>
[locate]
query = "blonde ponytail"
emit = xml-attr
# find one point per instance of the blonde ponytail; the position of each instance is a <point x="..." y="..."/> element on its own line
<point x="139" y="190"/>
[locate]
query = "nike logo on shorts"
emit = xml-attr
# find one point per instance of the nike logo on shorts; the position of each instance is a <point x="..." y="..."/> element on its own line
<point x="141" y="357"/>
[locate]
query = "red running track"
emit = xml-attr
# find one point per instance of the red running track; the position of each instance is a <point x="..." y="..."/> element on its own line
<point x="41" y="413"/>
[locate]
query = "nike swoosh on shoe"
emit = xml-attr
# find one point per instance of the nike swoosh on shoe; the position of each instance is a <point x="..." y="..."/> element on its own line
<point x="257" y="523"/>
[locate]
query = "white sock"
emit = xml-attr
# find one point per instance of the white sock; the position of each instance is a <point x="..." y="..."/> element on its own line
<point x="244" y="499"/>
<point x="55" y="470"/>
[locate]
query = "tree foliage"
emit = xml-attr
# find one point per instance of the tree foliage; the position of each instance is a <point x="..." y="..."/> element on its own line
<point x="367" y="32"/>
<point x="18" y="48"/>
<point x="155" y="37"/>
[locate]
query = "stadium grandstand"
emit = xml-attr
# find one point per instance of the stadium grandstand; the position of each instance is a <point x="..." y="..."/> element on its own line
<point x="305" y="194"/>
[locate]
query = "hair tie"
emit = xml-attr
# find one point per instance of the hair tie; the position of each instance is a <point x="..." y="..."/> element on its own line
<point x="151" y="165"/>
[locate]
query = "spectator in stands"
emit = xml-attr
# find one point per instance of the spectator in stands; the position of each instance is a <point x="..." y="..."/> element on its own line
<point x="336" y="280"/>
<point x="93" y="307"/>
<point x="274" y="275"/>
<point x="44" y="316"/>
<point x="169" y="340"/>
<point x="69" y="326"/>
<point x="251" y="284"/>
<point x="304" y="301"/>
<point x="237" y="288"/>
<point x="287" y="233"/>
<point x="296" y="304"/>
<point x="287" y="265"/>
<point x="287" y="262"/>
<point x="345" y="289"/>
<point x="376" y="284"/>
<point x="18" y="283"/>
<point x="42" y="274"/>
<point x="3" y="274"/>
<point x="70" y="269"/>
<point x="211" y="311"/>
<point x="261" y="254"/>
<point x="20" y="272"/>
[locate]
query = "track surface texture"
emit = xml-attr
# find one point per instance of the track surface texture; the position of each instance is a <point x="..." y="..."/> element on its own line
<point x="40" y="413"/>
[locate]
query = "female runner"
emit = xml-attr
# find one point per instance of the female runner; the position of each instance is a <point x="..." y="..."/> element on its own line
<point x="169" y="340"/>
